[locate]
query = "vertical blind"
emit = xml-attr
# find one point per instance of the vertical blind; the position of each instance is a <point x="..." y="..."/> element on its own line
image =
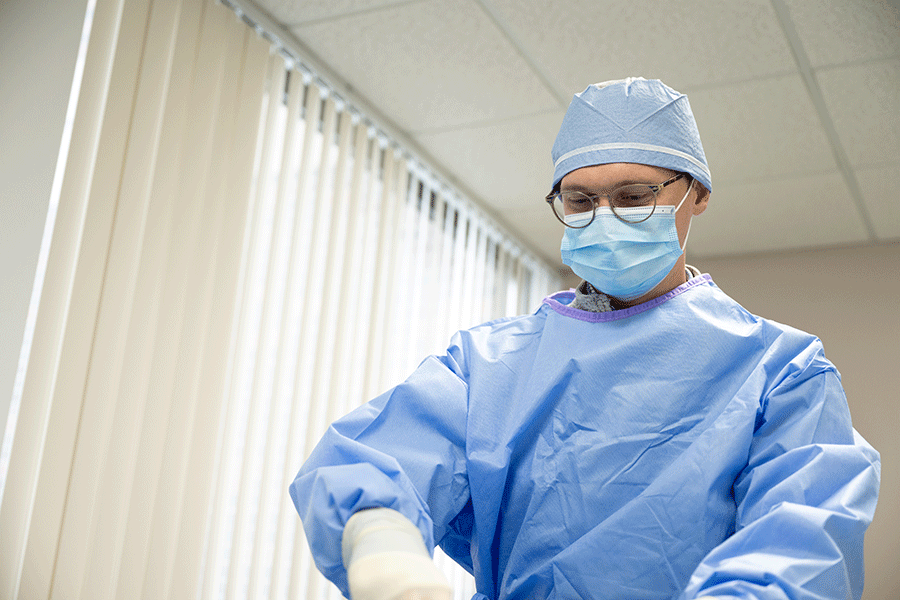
<point x="239" y="257"/>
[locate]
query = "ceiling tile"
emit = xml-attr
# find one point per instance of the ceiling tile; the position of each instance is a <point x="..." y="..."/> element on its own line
<point x="506" y="164"/>
<point x="840" y="31"/>
<point x="864" y="103"/>
<point x="690" y="43"/>
<point x="292" y="12"/>
<point x="430" y="65"/>
<point x="771" y="215"/>
<point x="765" y="128"/>
<point x="882" y="198"/>
<point x="446" y="75"/>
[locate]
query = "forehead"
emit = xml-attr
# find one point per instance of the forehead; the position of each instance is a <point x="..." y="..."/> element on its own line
<point x="609" y="175"/>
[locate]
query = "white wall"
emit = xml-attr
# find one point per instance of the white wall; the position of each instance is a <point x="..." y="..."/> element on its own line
<point x="38" y="47"/>
<point x="848" y="297"/>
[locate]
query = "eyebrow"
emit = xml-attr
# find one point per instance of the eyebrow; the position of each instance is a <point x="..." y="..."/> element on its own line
<point x="586" y="189"/>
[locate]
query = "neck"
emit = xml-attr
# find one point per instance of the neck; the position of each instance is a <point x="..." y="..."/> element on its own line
<point x="676" y="277"/>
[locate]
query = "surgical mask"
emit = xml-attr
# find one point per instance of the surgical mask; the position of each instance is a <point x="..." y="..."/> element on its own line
<point x="624" y="260"/>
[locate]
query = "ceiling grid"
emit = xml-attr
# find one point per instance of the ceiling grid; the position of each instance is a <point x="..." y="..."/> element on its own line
<point x="818" y="100"/>
<point x="797" y="101"/>
<point x="520" y="47"/>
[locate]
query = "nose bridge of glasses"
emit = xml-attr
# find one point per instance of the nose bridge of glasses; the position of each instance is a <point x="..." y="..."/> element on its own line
<point x="629" y="196"/>
<point x="603" y="198"/>
<point x="626" y="195"/>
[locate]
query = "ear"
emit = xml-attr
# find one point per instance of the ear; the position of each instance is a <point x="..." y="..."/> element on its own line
<point x="701" y="198"/>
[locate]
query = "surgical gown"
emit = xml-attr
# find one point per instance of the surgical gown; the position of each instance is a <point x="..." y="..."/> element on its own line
<point x="679" y="448"/>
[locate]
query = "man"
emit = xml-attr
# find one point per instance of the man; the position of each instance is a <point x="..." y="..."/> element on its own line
<point x="644" y="437"/>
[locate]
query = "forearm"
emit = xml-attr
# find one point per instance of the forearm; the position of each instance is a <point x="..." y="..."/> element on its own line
<point x="801" y="537"/>
<point x="403" y="451"/>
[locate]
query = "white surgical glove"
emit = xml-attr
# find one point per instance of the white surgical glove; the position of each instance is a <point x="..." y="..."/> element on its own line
<point x="386" y="559"/>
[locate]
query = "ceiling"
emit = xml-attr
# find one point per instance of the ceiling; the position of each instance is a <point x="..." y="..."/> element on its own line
<point x="797" y="101"/>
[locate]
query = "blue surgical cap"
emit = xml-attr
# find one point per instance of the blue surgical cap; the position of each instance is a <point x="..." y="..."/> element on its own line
<point x="632" y="120"/>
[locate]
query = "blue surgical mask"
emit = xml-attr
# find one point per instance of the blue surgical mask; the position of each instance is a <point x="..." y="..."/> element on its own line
<point x="624" y="260"/>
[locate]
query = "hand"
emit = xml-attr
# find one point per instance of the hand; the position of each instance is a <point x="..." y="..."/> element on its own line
<point x="432" y="594"/>
<point x="386" y="559"/>
<point x="396" y="575"/>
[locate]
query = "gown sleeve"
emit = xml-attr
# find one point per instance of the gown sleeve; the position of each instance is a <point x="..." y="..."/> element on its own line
<point x="404" y="450"/>
<point x="804" y="500"/>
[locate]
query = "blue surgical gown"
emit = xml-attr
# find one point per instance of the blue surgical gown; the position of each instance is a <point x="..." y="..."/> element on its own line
<point x="680" y="448"/>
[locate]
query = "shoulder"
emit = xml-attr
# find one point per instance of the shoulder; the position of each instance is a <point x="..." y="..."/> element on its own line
<point x="780" y="349"/>
<point x="496" y="340"/>
<point x="788" y="355"/>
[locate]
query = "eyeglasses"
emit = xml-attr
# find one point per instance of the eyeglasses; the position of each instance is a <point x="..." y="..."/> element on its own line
<point x="638" y="195"/>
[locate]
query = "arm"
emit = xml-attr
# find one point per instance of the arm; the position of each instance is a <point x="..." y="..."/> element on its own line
<point x="405" y="451"/>
<point x="804" y="500"/>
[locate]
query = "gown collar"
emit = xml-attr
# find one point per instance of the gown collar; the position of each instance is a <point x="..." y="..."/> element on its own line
<point x="562" y="302"/>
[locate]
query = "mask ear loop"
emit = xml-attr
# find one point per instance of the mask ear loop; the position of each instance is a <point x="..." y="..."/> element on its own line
<point x="691" y="185"/>
<point x="686" y="235"/>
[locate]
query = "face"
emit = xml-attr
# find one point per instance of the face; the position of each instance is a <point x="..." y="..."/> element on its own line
<point x="605" y="178"/>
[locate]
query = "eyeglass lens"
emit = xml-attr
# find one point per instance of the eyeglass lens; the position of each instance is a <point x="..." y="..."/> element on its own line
<point x="629" y="196"/>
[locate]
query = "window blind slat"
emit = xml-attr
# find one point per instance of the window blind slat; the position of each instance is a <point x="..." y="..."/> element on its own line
<point x="285" y="533"/>
<point x="251" y="373"/>
<point x="431" y="271"/>
<point x="476" y="306"/>
<point x="466" y="303"/>
<point x="54" y="499"/>
<point x="244" y="342"/>
<point x="89" y="453"/>
<point x="123" y="342"/>
<point x="459" y="254"/>
<point x="151" y="281"/>
<point x="334" y="262"/>
<point x="419" y="295"/>
<point x="266" y="400"/>
<point x="300" y="580"/>
<point x="237" y="192"/>
<point x="259" y="375"/>
<point x="398" y="328"/>
<point x="487" y="299"/>
<point x="186" y="303"/>
<point x="36" y="478"/>
<point x="345" y="289"/>
<point x="442" y="312"/>
<point x="230" y="202"/>
<point x="316" y="283"/>
<point x="395" y="175"/>
<point x="360" y="329"/>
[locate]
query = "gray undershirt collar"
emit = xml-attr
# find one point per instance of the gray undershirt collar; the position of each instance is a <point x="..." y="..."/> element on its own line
<point x="589" y="298"/>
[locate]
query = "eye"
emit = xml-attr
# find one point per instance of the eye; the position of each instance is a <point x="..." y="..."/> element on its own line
<point x="633" y="195"/>
<point x="576" y="202"/>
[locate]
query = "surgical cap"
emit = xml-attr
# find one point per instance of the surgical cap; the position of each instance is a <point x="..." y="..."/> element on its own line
<point x="632" y="120"/>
